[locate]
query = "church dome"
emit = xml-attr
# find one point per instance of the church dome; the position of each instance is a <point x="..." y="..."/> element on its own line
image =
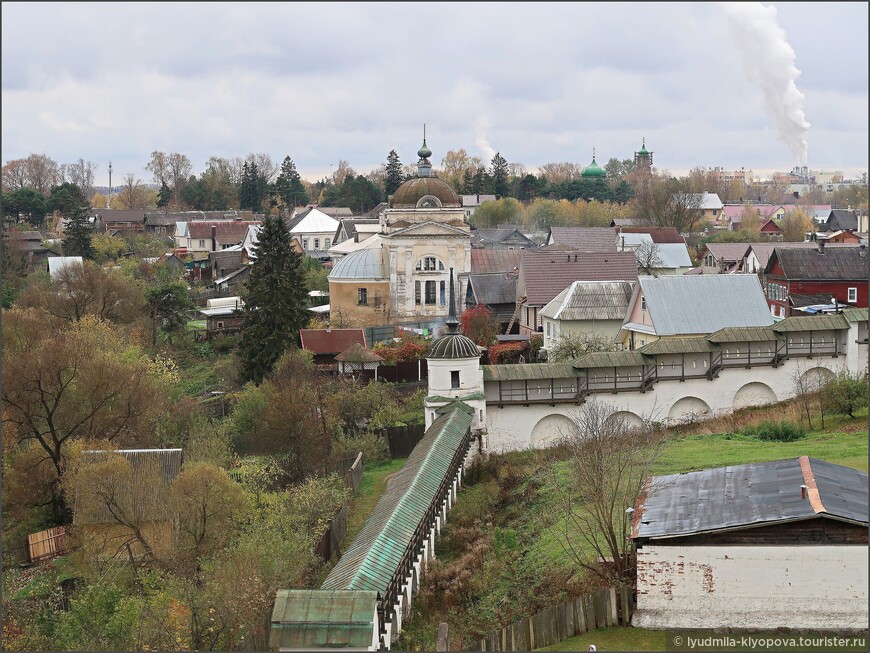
<point x="593" y="170"/>
<point x="643" y="151"/>
<point x="410" y="194"/>
<point x="452" y="346"/>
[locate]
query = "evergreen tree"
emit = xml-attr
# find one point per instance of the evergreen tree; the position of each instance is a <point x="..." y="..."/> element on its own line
<point x="500" y="175"/>
<point x="77" y="237"/>
<point x="289" y="185"/>
<point x="275" y="309"/>
<point x="163" y="196"/>
<point x="394" y="177"/>
<point x="481" y="181"/>
<point x="468" y="182"/>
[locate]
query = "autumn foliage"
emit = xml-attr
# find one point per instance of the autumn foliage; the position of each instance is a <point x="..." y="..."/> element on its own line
<point x="479" y="324"/>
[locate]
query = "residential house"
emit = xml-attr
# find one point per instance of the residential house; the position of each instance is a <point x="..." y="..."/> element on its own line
<point x="722" y="258"/>
<point x="160" y="223"/>
<point x="691" y="305"/>
<point x="709" y="207"/>
<point x="315" y="229"/>
<point x="348" y="229"/>
<point x="733" y="213"/>
<point x="759" y="254"/>
<point x="583" y="239"/>
<point x="170" y="261"/>
<point x="26" y="248"/>
<point x="800" y="277"/>
<point x="484" y="261"/>
<point x="223" y="315"/>
<point x="233" y="281"/>
<point x="659" y="235"/>
<point x="501" y="239"/>
<point x="656" y="257"/>
<point x="336" y="212"/>
<point x="354" y="244"/>
<point x="843" y="220"/>
<point x="213" y="236"/>
<point x="769" y="545"/>
<point x="495" y="290"/>
<point x="470" y="203"/>
<point x="586" y="309"/>
<point x="841" y="236"/>
<point x="107" y="525"/>
<point x="56" y="264"/>
<point x="225" y="261"/>
<point x="770" y="230"/>
<point x="544" y="273"/>
<point x="326" y="344"/>
<point x="120" y="220"/>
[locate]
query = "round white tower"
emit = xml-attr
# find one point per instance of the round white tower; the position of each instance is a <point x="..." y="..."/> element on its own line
<point x="454" y="371"/>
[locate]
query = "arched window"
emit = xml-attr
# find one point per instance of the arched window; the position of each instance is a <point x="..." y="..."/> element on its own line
<point x="429" y="264"/>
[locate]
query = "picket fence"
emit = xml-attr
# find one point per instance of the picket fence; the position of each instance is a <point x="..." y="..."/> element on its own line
<point x="47" y="544"/>
<point x="608" y="607"/>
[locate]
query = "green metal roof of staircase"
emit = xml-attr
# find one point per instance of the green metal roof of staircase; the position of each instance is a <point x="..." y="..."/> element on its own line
<point x="375" y="555"/>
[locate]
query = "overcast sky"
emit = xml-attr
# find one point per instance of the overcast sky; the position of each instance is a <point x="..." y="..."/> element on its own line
<point x="538" y="82"/>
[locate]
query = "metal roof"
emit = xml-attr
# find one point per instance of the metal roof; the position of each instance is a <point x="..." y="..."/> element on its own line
<point x="58" y="263"/>
<point x="546" y="273"/>
<point x="812" y="323"/>
<point x="745" y="496"/>
<point x="743" y="334"/>
<point x="311" y="619"/>
<point x="585" y="239"/>
<point x="375" y="555"/>
<point x="612" y="359"/>
<point x="591" y="300"/>
<point x="690" y="304"/>
<point x="454" y="346"/>
<point x="495" y="260"/>
<point x="362" y="264"/>
<point x="493" y="288"/>
<point x="678" y="346"/>
<point x="855" y="314"/>
<point x="530" y="371"/>
<point x="837" y="264"/>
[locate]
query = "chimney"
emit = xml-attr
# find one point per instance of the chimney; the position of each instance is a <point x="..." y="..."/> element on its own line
<point x="821" y="247"/>
<point x="214" y="238"/>
<point x="803" y="491"/>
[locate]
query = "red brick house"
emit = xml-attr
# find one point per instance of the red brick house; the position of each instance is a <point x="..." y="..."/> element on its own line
<point x="796" y="277"/>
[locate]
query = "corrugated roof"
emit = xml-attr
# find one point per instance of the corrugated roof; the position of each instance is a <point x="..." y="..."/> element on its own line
<point x="612" y="359"/>
<point x="727" y="251"/>
<point x="855" y="314"/>
<point x="313" y="222"/>
<point x="58" y="263"/>
<point x="527" y="372"/>
<point x="493" y="288"/>
<point x="744" y="496"/>
<point x="495" y="260"/>
<point x="591" y="300"/>
<point x="694" y="304"/>
<point x="659" y="234"/>
<point x="375" y="555"/>
<point x="823" y="322"/>
<point x="763" y="251"/>
<point x="585" y="239"/>
<point x="743" y="334"/>
<point x="312" y="619"/>
<point x="546" y="274"/>
<point x="330" y="341"/>
<point x="678" y="346"/>
<point x="225" y="230"/>
<point x="842" y="263"/>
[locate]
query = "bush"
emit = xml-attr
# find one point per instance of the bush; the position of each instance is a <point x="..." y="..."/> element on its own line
<point x="373" y="446"/>
<point x="846" y="393"/>
<point x="771" y="431"/>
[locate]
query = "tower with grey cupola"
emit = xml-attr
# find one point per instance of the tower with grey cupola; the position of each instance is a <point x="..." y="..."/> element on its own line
<point x="455" y="372"/>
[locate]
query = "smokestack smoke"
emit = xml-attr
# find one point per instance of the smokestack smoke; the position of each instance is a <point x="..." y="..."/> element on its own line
<point x="480" y="139"/>
<point x="769" y="61"/>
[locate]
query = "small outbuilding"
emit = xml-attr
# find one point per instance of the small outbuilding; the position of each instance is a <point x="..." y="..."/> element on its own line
<point x="780" y="544"/>
<point x="358" y="358"/>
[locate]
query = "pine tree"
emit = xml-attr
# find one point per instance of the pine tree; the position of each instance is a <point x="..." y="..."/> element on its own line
<point x="482" y="181"/>
<point x="246" y="190"/>
<point x="394" y="177"/>
<point x="289" y="185"/>
<point x="77" y="238"/>
<point x="500" y="174"/>
<point x="163" y="196"/>
<point x="275" y="309"/>
<point x="468" y="182"/>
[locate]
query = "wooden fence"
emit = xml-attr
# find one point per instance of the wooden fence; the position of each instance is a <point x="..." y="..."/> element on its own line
<point x="47" y="544"/>
<point x="403" y="439"/>
<point x="608" y="607"/>
<point x="332" y="538"/>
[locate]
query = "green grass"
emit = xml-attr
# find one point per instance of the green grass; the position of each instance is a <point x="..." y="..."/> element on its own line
<point x="196" y="325"/>
<point x="614" y="639"/>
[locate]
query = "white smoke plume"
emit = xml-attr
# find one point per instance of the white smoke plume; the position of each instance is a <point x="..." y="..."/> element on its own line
<point x="480" y="139"/>
<point x="769" y="61"/>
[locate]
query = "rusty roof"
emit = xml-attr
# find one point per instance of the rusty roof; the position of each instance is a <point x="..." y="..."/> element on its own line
<point x="495" y="260"/>
<point x="546" y="274"/>
<point x="659" y="234"/>
<point x="330" y="341"/>
<point x="750" y="495"/>
<point x="224" y="229"/>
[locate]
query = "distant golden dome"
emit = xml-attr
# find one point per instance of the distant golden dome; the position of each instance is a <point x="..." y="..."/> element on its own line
<point x="424" y="192"/>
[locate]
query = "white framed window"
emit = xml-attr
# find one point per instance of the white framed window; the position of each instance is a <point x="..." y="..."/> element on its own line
<point x="304" y="243"/>
<point x="429" y="264"/>
<point x="327" y="243"/>
<point x="852" y="296"/>
<point x="202" y="243"/>
<point x="317" y="243"/>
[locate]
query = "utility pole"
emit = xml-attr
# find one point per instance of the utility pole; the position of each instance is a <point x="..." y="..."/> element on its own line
<point x="109" y="201"/>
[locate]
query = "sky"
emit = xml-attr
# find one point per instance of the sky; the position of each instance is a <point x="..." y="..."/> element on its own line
<point x="760" y="86"/>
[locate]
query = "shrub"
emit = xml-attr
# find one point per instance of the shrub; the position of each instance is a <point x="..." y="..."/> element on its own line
<point x="775" y="431"/>
<point x="373" y="446"/>
<point x="846" y="393"/>
<point x="508" y="352"/>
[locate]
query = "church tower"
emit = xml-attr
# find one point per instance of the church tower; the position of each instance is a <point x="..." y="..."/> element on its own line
<point x="455" y="372"/>
<point x="643" y="162"/>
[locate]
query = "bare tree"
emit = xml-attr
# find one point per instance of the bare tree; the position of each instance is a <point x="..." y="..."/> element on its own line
<point x="132" y="195"/>
<point x="569" y="346"/>
<point x="649" y="258"/>
<point x="81" y="173"/>
<point x="180" y="168"/>
<point x="669" y="202"/>
<point x="158" y="166"/>
<point x="611" y="460"/>
<point x="14" y="175"/>
<point x="267" y="168"/>
<point x="559" y="172"/>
